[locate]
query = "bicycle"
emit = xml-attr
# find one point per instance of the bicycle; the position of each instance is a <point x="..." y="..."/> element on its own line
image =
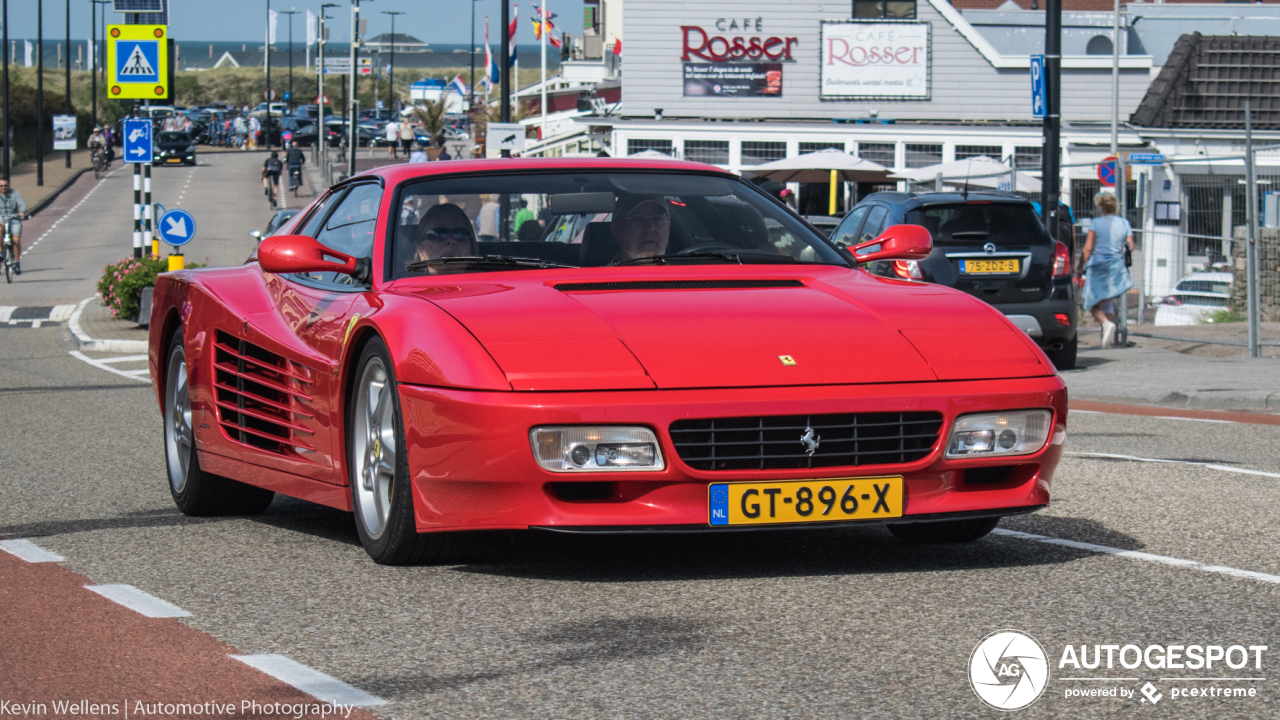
<point x="295" y="178"/>
<point x="99" y="163"/>
<point x="6" y="252"/>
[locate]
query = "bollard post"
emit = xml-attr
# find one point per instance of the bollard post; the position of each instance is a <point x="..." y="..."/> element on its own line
<point x="137" y="210"/>
<point x="148" y="238"/>
<point x="1251" y="249"/>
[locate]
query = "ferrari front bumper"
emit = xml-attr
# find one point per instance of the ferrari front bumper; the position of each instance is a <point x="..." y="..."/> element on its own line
<point x="472" y="467"/>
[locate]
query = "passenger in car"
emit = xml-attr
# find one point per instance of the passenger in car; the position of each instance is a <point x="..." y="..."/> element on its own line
<point x="445" y="231"/>
<point x="642" y="227"/>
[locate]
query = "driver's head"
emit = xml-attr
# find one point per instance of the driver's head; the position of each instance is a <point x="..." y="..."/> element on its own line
<point x="444" y="231"/>
<point x="641" y="225"/>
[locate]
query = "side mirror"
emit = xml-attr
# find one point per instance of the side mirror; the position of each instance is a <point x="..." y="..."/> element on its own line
<point x="897" y="242"/>
<point x="301" y="254"/>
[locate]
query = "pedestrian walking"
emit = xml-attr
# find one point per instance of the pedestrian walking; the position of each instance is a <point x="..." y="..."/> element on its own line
<point x="255" y="129"/>
<point x="242" y="130"/>
<point x="1106" y="275"/>
<point x="406" y="136"/>
<point x="393" y="138"/>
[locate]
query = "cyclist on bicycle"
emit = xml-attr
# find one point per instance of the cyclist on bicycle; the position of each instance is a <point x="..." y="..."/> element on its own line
<point x="13" y="208"/>
<point x="271" y="176"/>
<point x="98" y="142"/>
<point x="295" y="159"/>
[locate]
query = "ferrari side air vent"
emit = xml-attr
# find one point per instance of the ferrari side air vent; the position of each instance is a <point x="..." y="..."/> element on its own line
<point x="260" y="396"/>
<point x="678" y="285"/>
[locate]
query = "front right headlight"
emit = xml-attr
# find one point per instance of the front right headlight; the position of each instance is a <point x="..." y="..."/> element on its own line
<point x="596" y="448"/>
<point x="1015" y="432"/>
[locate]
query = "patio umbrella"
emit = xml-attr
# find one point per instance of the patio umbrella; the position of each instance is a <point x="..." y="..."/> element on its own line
<point x="829" y="165"/>
<point x="650" y="155"/>
<point x="981" y="170"/>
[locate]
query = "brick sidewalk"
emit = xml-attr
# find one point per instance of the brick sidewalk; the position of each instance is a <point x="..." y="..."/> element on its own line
<point x="97" y="323"/>
<point x="23" y="177"/>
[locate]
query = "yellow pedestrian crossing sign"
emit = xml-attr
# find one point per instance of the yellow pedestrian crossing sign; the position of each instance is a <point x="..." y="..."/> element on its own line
<point x="138" y="62"/>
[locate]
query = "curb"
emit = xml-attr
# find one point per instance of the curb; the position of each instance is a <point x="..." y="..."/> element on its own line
<point x="84" y="342"/>
<point x="48" y="200"/>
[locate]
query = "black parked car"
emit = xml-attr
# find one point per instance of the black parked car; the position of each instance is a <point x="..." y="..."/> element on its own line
<point x="989" y="245"/>
<point x="174" y="148"/>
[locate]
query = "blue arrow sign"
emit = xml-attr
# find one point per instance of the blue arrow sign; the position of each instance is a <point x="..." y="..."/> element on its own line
<point x="1039" y="96"/>
<point x="177" y="227"/>
<point x="137" y="141"/>
<point x="1146" y="159"/>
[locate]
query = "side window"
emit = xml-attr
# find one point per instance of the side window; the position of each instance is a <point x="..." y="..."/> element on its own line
<point x="312" y="226"/>
<point x="350" y="226"/>
<point x="845" y="235"/>
<point x="874" y="224"/>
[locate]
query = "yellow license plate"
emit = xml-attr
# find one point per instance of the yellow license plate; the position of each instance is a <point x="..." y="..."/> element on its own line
<point x="986" y="267"/>
<point x="175" y="160"/>
<point x="804" y="501"/>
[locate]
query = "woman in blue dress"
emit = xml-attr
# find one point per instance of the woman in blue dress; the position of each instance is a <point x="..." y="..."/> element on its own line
<point x="1105" y="275"/>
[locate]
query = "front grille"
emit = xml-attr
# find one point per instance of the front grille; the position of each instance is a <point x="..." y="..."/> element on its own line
<point x="774" y="443"/>
<point x="259" y="396"/>
<point x="679" y="285"/>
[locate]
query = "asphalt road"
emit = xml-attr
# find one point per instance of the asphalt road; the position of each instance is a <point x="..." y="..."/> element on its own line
<point x="793" y="624"/>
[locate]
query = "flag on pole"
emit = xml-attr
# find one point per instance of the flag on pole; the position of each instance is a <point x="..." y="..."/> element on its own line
<point x="550" y="28"/>
<point x="490" y="64"/>
<point x="515" y="20"/>
<point x="26" y="45"/>
<point x="311" y="29"/>
<point x="457" y="85"/>
<point x="271" y="27"/>
<point x="617" y="46"/>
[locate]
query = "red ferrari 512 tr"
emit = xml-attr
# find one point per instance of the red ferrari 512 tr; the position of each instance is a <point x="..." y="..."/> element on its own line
<point x="593" y="345"/>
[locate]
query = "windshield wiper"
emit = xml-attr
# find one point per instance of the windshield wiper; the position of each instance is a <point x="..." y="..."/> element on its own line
<point x="751" y="258"/>
<point x="505" y="261"/>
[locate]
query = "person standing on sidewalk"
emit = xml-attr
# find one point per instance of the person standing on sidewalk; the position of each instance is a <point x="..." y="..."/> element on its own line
<point x="12" y="207"/>
<point x="1105" y="275"/>
<point x="393" y="138"/>
<point x="406" y="136"/>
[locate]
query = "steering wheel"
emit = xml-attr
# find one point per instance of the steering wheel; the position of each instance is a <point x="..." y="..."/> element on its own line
<point x="709" y="247"/>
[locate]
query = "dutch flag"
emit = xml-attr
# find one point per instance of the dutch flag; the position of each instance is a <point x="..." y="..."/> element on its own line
<point x="458" y="86"/>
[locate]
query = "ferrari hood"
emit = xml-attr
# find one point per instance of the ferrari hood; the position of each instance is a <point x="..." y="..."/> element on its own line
<point x="597" y="336"/>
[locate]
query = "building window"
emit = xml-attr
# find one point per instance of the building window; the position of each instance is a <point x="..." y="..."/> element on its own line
<point x="919" y="156"/>
<point x="1028" y="158"/>
<point x="968" y="151"/>
<point x="894" y="9"/>
<point x="816" y="146"/>
<point x="636" y="146"/>
<point x="1098" y="45"/>
<point x="759" y="153"/>
<point x="714" y="152"/>
<point x="882" y="153"/>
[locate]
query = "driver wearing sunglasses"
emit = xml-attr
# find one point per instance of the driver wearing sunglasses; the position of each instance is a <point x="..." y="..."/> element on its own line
<point x="445" y="231"/>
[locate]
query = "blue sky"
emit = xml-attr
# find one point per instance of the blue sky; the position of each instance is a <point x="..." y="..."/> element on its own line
<point x="434" y="21"/>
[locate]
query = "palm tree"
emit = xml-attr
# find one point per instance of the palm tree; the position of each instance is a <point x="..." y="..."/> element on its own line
<point x="431" y="115"/>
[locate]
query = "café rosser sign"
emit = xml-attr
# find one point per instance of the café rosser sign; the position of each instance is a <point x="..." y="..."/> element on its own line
<point x="730" y="41"/>
<point x="879" y="59"/>
<point x="734" y="58"/>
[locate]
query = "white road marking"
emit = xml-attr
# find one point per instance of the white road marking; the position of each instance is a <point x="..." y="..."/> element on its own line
<point x="1135" y="555"/>
<point x="1159" y="417"/>
<point x="1211" y="466"/>
<point x="138" y="601"/>
<point x="124" y="358"/>
<point x="103" y="366"/>
<point x="312" y="682"/>
<point x="5" y="312"/>
<point x="66" y="215"/>
<point x="29" y="551"/>
<point x="87" y="343"/>
<point x="61" y="312"/>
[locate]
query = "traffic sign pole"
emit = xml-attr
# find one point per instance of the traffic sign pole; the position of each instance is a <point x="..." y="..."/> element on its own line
<point x="148" y="240"/>
<point x="137" y="210"/>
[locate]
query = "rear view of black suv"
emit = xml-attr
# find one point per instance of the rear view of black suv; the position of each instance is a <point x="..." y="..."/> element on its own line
<point x="989" y="245"/>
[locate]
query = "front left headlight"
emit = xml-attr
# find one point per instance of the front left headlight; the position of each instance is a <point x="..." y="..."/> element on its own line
<point x="1016" y="432"/>
<point x="596" y="448"/>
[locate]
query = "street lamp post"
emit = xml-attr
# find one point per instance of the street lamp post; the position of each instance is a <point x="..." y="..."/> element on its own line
<point x="67" y="107"/>
<point x="391" y="76"/>
<point x="93" y="61"/>
<point x="39" y="93"/>
<point x="290" y="13"/>
<point x="266" y="64"/>
<point x="352" y="136"/>
<point x="322" y="133"/>
<point x="5" y="107"/>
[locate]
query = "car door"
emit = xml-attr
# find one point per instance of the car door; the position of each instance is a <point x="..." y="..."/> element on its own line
<point x="301" y="346"/>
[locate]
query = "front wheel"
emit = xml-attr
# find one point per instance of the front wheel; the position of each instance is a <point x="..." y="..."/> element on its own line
<point x="8" y="264"/>
<point x="194" y="491"/>
<point x="947" y="531"/>
<point x="378" y="469"/>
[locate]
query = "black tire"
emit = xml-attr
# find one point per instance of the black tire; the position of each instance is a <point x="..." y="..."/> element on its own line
<point x="1064" y="359"/>
<point x="947" y="531"/>
<point x="196" y="492"/>
<point x="393" y="539"/>
<point x="8" y="269"/>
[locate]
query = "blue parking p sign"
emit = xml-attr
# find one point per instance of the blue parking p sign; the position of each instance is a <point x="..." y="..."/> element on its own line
<point x="137" y="141"/>
<point x="1039" y="97"/>
<point x="138" y="61"/>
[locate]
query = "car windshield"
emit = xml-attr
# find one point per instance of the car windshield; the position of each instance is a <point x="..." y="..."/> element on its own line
<point x="979" y="223"/>
<point x="591" y="219"/>
<point x="174" y="137"/>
